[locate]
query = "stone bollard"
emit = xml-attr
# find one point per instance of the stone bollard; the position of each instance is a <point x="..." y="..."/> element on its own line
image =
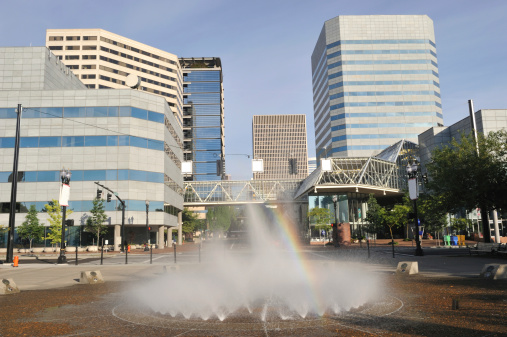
<point x="407" y="268"/>
<point x="8" y="286"/>
<point x="91" y="277"/>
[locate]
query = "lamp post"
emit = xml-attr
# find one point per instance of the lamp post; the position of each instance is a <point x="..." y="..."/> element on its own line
<point x="146" y="247"/>
<point x="335" y="228"/>
<point x="64" y="202"/>
<point x="414" y="193"/>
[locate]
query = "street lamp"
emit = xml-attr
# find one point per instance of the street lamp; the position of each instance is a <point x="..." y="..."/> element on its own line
<point x="65" y="175"/>
<point x="335" y="228"/>
<point x="414" y="193"/>
<point x="146" y="248"/>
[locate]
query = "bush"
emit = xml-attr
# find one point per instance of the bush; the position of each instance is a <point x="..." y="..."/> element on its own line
<point x="392" y="243"/>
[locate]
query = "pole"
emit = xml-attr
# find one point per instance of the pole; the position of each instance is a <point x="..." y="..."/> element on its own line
<point x="123" y="226"/>
<point x="151" y="253"/>
<point x="392" y="244"/>
<point x="335" y="228"/>
<point x="102" y="253"/>
<point x="14" y="190"/>
<point x="62" y="258"/>
<point x="126" y="255"/>
<point x="200" y="252"/>
<point x="418" y="249"/>
<point x="368" y="244"/>
<point x="76" y="252"/>
<point x="146" y="248"/>
<point x="174" y="246"/>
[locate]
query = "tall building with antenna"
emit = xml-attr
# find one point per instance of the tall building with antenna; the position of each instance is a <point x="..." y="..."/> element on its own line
<point x="375" y="81"/>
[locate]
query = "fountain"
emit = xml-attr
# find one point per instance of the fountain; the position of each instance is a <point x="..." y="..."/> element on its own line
<point x="269" y="282"/>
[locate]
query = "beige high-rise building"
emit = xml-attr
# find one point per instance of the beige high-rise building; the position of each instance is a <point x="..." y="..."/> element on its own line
<point x="104" y="60"/>
<point x="280" y="141"/>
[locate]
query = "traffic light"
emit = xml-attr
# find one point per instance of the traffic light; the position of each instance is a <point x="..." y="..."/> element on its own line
<point x="149" y="228"/>
<point x="332" y="225"/>
<point x="293" y="168"/>
<point x="109" y="195"/>
<point x="99" y="194"/>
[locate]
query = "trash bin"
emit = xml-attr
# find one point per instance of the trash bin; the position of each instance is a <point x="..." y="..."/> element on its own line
<point x="454" y="240"/>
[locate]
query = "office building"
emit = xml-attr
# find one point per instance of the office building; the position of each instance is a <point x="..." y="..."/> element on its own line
<point x="127" y="140"/>
<point x="312" y="164"/>
<point x="103" y="60"/>
<point x="375" y="81"/>
<point x="203" y="117"/>
<point x="280" y="141"/>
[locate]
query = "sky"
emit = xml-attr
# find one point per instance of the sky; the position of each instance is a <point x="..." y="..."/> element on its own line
<point x="265" y="47"/>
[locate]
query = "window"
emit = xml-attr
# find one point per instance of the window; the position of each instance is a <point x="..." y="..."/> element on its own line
<point x="89" y="38"/>
<point x="55" y="48"/>
<point x="73" y="38"/>
<point x="74" y="112"/>
<point x="88" y="76"/>
<point x="88" y="66"/>
<point x="90" y="86"/>
<point x="56" y="38"/>
<point x="72" y="48"/>
<point x="89" y="47"/>
<point x="72" y="57"/>
<point x="89" y="57"/>
<point x="73" y="66"/>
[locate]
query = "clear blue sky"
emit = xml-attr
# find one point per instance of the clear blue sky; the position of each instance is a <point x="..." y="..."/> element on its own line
<point x="265" y="47"/>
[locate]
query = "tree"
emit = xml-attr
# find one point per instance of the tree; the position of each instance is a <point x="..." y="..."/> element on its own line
<point x="54" y="211"/>
<point x="31" y="228"/>
<point x="375" y="216"/>
<point x="95" y="223"/>
<point x="459" y="224"/>
<point x="3" y="230"/>
<point x="321" y="218"/>
<point x="466" y="179"/>
<point x="432" y="213"/>
<point x="396" y="218"/>
<point x="220" y="218"/>
<point x="190" y="221"/>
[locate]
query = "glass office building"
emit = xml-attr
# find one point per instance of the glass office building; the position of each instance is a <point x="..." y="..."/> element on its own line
<point x="203" y="117"/>
<point x="375" y="81"/>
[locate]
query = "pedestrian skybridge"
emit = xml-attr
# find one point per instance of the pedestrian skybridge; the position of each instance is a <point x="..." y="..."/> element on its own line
<point x="381" y="175"/>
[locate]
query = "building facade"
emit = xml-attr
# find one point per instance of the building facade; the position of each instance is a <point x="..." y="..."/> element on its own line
<point x="280" y="141"/>
<point x="125" y="139"/>
<point x="103" y="60"/>
<point x="203" y="117"/>
<point x="375" y="81"/>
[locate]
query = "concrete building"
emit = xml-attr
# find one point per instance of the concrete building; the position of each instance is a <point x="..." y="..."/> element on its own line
<point x="375" y="81"/>
<point x="203" y="116"/>
<point x="127" y="140"/>
<point x="103" y="60"/>
<point x="280" y="140"/>
<point x="312" y="164"/>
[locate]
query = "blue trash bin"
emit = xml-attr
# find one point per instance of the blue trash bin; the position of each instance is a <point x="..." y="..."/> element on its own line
<point x="454" y="240"/>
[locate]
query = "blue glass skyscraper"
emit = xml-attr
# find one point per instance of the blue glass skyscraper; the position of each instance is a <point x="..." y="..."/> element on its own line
<point x="203" y="116"/>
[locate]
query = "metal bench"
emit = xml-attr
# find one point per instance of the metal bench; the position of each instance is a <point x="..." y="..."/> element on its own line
<point x="484" y="248"/>
<point x="501" y="250"/>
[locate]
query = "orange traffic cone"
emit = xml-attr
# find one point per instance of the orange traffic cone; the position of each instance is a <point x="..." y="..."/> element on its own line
<point x="15" y="262"/>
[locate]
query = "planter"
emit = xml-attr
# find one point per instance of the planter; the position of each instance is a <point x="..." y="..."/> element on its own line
<point x="92" y="249"/>
<point x="49" y="250"/>
<point x="81" y="249"/>
<point x="38" y="250"/>
<point x="70" y="249"/>
<point x="3" y="250"/>
<point x="23" y="250"/>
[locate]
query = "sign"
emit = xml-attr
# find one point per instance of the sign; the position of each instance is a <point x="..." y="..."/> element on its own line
<point x="106" y="242"/>
<point x="64" y="195"/>
<point x="186" y="167"/>
<point x="326" y="165"/>
<point x="413" y="191"/>
<point x="323" y="232"/>
<point x="258" y="165"/>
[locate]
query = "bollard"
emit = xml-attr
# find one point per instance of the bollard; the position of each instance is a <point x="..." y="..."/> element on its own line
<point x="392" y="245"/>
<point x="127" y="255"/>
<point x="455" y="304"/>
<point x="368" y="244"/>
<point x="101" y="253"/>
<point x="15" y="261"/>
<point x="151" y="254"/>
<point x="76" y="254"/>
<point x="174" y="246"/>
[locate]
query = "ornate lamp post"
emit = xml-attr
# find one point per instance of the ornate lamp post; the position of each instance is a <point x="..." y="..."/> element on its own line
<point x="335" y="228"/>
<point x="414" y="194"/>
<point x="147" y="248"/>
<point x="65" y="175"/>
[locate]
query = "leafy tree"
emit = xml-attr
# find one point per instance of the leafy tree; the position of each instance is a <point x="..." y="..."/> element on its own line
<point x="375" y="216"/>
<point x="54" y="211"/>
<point x="95" y="223"/>
<point x="459" y="224"/>
<point x="396" y="218"/>
<point x="432" y="213"/>
<point x="190" y="222"/>
<point x="31" y="228"/>
<point x="321" y="218"/>
<point x="220" y="218"/>
<point x="466" y="179"/>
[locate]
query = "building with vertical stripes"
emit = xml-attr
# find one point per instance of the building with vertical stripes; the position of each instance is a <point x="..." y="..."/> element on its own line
<point x="375" y="81"/>
<point x="280" y="140"/>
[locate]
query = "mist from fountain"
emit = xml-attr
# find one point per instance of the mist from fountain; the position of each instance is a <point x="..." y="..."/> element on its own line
<point x="270" y="279"/>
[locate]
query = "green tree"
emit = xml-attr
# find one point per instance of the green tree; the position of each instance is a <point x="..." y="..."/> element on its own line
<point x="432" y="213"/>
<point x="220" y="218"/>
<point x="31" y="229"/>
<point x="396" y="218"/>
<point x="95" y="223"/>
<point x="459" y="224"/>
<point x="54" y="211"/>
<point x="321" y="218"/>
<point x="190" y="222"/>
<point x="467" y="180"/>
<point x="375" y="216"/>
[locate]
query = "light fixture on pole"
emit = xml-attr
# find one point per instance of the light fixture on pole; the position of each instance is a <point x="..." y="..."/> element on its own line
<point x="65" y="175"/>
<point x="414" y="194"/>
<point x="146" y="247"/>
<point x="335" y="227"/>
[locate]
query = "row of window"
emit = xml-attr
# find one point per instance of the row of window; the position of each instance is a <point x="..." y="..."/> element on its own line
<point x="81" y="112"/>
<point x="382" y="93"/>
<point x="372" y="62"/>
<point x="377" y="136"/>
<point x="345" y="83"/>
<point x="125" y="46"/>
<point x="385" y="114"/>
<point x="212" y="75"/>
<point x="359" y="147"/>
<point x="87" y="205"/>
<point x="202" y="87"/>
<point x="82" y="141"/>
<point x="383" y="72"/>
<point x="130" y="66"/>
<point x="382" y="125"/>
<point x="202" y="99"/>
<point x="154" y="65"/>
<point x="401" y="41"/>
<point x="85" y="175"/>
<point x="72" y="38"/>
<point x="381" y="52"/>
<point x="361" y="104"/>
